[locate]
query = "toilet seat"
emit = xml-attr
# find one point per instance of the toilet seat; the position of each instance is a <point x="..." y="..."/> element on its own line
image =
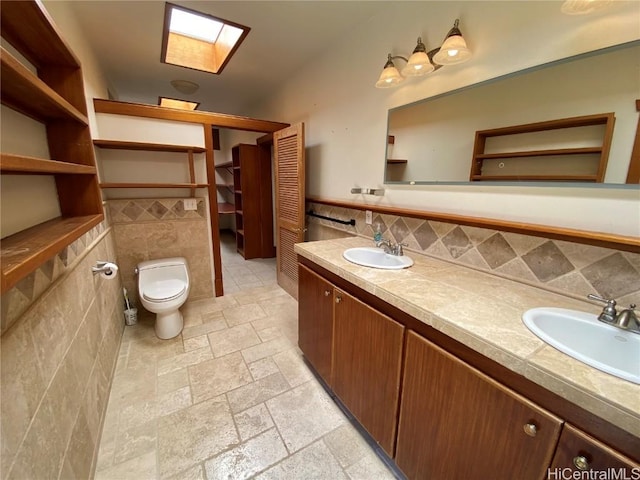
<point x="164" y="290"/>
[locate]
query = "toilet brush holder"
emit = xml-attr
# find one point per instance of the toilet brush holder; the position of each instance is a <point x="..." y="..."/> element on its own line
<point x="131" y="316"/>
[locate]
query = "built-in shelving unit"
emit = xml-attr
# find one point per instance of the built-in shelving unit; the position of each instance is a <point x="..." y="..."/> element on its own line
<point x="226" y="208"/>
<point x="154" y="147"/>
<point x="55" y="97"/>
<point x="253" y="201"/>
<point x="589" y="165"/>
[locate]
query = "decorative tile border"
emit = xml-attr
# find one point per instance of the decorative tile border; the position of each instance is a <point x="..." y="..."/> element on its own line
<point x="559" y="266"/>
<point x="153" y="209"/>
<point x="17" y="300"/>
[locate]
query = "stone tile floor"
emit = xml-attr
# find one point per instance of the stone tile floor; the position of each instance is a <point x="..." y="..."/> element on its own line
<point x="240" y="274"/>
<point x="229" y="398"/>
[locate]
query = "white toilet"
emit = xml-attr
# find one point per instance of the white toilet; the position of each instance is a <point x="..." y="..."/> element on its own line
<point x="163" y="287"/>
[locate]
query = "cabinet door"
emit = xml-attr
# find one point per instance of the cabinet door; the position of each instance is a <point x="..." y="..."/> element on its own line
<point x="579" y="452"/>
<point x="315" y="321"/>
<point x="457" y="423"/>
<point x="367" y="355"/>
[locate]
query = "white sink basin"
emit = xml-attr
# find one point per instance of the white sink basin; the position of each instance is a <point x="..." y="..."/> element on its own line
<point x="582" y="336"/>
<point x="376" y="258"/>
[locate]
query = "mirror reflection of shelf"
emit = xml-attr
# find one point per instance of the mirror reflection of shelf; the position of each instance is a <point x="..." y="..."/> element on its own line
<point x="395" y="161"/>
<point x="567" y="164"/>
<point x="391" y="140"/>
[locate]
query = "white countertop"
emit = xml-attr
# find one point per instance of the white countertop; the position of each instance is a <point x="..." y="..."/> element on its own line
<point x="484" y="312"/>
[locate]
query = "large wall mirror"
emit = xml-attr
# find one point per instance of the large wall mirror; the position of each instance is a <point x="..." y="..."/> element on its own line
<point x="432" y="141"/>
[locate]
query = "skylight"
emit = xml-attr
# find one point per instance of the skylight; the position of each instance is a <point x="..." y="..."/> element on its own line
<point x="197" y="40"/>
<point x="175" y="103"/>
<point x="194" y="26"/>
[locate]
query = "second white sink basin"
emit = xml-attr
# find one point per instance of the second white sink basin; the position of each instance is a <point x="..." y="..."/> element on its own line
<point x="376" y="258"/>
<point x="582" y="336"/>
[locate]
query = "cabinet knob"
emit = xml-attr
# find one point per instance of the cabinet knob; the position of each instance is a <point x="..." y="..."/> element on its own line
<point x="338" y="299"/>
<point x="327" y="293"/>
<point x="581" y="462"/>
<point x="530" y="429"/>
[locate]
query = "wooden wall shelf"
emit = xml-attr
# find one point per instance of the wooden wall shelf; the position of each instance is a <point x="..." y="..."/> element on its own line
<point x="148" y="147"/>
<point x="54" y="97"/>
<point x="395" y="161"/>
<point x="599" y="154"/>
<point x="22" y="164"/>
<point x="226" y="208"/>
<point x="153" y="185"/>
<point x="24" y="92"/>
<point x="43" y="45"/>
<point x="25" y="251"/>
<point x="224" y="165"/>
<point x="154" y="147"/>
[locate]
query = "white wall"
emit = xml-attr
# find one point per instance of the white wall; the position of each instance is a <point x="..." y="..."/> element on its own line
<point x="345" y="115"/>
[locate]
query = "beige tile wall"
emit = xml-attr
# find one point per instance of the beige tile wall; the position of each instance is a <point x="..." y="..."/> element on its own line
<point x="147" y="229"/>
<point x="57" y="364"/>
<point x="564" y="267"/>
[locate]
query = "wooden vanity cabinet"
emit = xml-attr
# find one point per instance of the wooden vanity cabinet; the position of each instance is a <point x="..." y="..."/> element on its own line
<point x="315" y="321"/>
<point x="356" y="350"/>
<point x="455" y="422"/>
<point x="367" y="358"/>
<point x="580" y="452"/>
<point x="447" y="417"/>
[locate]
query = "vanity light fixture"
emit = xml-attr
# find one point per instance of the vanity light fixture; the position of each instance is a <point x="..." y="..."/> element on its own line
<point x="422" y="62"/>
<point x="583" y="7"/>
<point x="454" y="48"/>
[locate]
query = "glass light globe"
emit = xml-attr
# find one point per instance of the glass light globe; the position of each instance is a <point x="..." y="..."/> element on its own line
<point x="418" y="65"/>
<point x="454" y="50"/>
<point x="390" y="77"/>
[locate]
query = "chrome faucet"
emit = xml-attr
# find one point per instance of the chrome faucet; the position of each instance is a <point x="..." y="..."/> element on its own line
<point x="391" y="248"/>
<point x="626" y="319"/>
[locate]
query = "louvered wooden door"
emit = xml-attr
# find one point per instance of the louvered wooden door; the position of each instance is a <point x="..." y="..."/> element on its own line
<point x="288" y="147"/>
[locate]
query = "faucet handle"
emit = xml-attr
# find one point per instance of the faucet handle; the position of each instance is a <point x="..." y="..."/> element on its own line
<point x="399" y="248"/>
<point x="609" y="312"/>
<point x="628" y="320"/>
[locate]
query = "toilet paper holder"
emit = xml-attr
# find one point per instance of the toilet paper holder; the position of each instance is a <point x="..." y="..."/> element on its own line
<point x="106" y="268"/>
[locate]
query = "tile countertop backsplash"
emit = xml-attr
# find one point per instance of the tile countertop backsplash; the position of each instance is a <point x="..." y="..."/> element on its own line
<point x="484" y="312"/>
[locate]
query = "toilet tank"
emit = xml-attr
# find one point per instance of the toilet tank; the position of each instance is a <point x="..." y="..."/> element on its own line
<point x="164" y="268"/>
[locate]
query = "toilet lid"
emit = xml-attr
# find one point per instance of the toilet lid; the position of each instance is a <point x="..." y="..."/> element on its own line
<point x="163" y="290"/>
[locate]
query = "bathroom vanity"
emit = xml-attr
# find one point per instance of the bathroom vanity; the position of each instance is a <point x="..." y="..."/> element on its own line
<point x="436" y="365"/>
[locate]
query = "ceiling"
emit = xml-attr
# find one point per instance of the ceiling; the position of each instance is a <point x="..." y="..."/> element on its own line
<point x="126" y="37"/>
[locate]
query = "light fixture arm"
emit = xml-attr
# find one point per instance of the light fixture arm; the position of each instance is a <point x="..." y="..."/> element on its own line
<point x="390" y="60"/>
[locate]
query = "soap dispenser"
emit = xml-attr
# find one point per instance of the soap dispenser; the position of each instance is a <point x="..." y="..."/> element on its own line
<point x="377" y="236"/>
